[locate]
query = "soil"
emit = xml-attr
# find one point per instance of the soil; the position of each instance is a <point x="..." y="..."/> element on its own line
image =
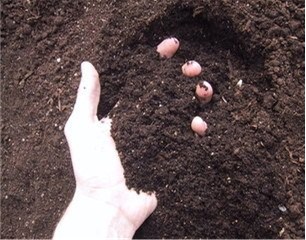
<point x="243" y="179"/>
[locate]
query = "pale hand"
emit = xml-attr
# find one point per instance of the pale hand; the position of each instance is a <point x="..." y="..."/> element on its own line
<point x="100" y="183"/>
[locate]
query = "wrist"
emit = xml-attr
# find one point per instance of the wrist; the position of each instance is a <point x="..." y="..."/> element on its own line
<point x="89" y="218"/>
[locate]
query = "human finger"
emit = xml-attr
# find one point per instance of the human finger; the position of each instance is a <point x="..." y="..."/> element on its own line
<point x="88" y="93"/>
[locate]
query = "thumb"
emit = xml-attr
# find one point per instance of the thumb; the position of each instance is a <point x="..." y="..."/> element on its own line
<point x="88" y="93"/>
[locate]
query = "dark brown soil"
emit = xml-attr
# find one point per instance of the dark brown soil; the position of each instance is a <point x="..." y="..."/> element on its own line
<point x="243" y="179"/>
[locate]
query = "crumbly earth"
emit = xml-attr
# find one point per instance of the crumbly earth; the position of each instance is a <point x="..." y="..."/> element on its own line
<point x="243" y="179"/>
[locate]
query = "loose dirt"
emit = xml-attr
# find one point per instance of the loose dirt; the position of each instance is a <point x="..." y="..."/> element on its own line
<point x="243" y="179"/>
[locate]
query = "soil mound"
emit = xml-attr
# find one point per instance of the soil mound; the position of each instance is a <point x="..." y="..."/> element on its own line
<point x="243" y="179"/>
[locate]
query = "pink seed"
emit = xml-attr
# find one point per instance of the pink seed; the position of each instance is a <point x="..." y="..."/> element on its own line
<point x="191" y="69"/>
<point x="204" y="92"/>
<point x="198" y="125"/>
<point x="168" y="47"/>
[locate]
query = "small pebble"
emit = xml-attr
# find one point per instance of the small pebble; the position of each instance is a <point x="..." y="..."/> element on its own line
<point x="282" y="208"/>
<point x="239" y="83"/>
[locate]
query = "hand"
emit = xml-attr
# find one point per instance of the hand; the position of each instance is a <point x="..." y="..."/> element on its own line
<point x="97" y="167"/>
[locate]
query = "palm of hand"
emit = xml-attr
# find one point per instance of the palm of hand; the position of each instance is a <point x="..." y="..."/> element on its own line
<point x="97" y="167"/>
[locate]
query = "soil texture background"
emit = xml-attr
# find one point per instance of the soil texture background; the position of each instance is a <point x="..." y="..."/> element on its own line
<point x="243" y="179"/>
